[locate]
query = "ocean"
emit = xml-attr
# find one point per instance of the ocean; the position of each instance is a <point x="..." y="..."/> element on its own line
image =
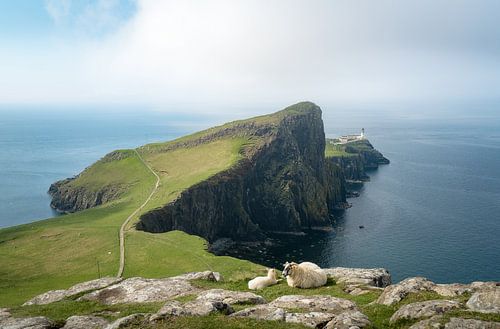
<point x="433" y="212"/>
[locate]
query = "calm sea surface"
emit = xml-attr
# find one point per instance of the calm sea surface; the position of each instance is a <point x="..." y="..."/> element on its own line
<point x="434" y="211"/>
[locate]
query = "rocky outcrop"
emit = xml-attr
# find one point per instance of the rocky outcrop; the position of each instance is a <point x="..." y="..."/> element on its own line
<point x="230" y="297"/>
<point x="485" y="301"/>
<point x="438" y="322"/>
<point x="375" y="277"/>
<point x="57" y="295"/>
<point x="397" y="292"/>
<point x="319" y="303"/>
<point x="85" y="321"/>
<point x="424" y="309"/>
<point x="283" y="184"/>
<point x="37" y="322"/>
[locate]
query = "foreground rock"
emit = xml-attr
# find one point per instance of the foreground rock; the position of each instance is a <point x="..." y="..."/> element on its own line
<point x="38" y="322"/>
<point x="458" y="323"/>
<point x="57" y="295"/>
<point x="133" y="319"/>
<point x="424" y="309"/>
<point x="349" y="320"/>
<point x="487" y="301"/>
<point x="230" y="297"/>
<point x="193" y="308"/>
<point x="262" y="312"/>
<point x="88" y="322"/>
<point x="318" y="303"/>
<point x="140" y="290"/>
<point x="375" y="277"/>
<point x="4" y="313"/>
<point x="395" y="293"/>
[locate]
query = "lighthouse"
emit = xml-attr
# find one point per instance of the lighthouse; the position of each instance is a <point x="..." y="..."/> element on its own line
<point x="362" y="136"/>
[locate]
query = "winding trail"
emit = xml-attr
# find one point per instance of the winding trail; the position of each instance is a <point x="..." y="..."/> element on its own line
<point x="124" y="225"/>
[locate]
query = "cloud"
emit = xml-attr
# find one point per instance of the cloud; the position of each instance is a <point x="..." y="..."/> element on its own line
<point x="226" y="52"/>
<point x="58" y="9"/>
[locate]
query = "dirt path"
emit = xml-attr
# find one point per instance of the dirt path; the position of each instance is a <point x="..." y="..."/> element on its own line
<point x="124" y="225"/>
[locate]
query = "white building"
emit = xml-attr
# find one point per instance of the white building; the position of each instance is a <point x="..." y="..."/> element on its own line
<point x="352" y="138"/>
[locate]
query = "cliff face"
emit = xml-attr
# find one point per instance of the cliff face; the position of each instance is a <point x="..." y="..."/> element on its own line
<point x="284" y="184"/>
<point x="361" y="156"/>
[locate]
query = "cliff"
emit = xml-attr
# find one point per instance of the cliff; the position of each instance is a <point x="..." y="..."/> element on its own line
<point x="283" y="183"/>
<point x="354" y="158"/>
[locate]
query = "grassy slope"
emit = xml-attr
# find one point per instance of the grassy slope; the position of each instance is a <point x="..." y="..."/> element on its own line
<point x="336" y="150"/>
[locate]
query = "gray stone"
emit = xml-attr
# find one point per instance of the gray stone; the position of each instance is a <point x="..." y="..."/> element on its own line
<point x="433" y="323"/>
<point x="348" y="320"/>
<point x="4" y="313"/>
<point x="262" y="312"/>
<point x="132" y="319"/>
<point x="480" y="285"/>
<point x="396" y="292"/>
<point x="38" y="322"/>
<point x="311" y="319"/>
<point x="485" y="301"/>
<point x="193" y="308"/>
<point x="85" y="321"/>
<point x="376" y="277"/>
<point x="424" y="309"/>
<point x="140" y="290"/>
<point x="318" y="303"/>
<point x="231" y="297"/>
<point x="458" y="323"/>
<point x="451" y="290"/>
<point x="57" y="295"/>
<point x="206" y="275"/>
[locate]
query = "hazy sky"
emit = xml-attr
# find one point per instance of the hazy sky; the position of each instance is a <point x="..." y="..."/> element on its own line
<point x="223" y="53"/>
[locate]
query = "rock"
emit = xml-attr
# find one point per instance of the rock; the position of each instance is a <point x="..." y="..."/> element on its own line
<point x="395" y="293"/>
<point x="87" y="322"/>
<point x="485" y="301"/>
<point x="133" y="319"/>
<point x="193" y="308"/>
<point x="458" y="323"/>
<point x="4" y="313"/>
<point x="348" y="320"/>
<point x="141" y="290"/>
<point x="480" y="286"/>
<point x="231" y="297"/>
<point x="57" y="295"/>
<point x="311" y="319"/>
<point x="318" y="303"/>
<point x="376" y="277"/>
<point x="207" y="275"/>
<point x="38" y="322"/>
<point x="451" y="290"/>
<point x="424" y="309"/>
<point x="262" y="312"/>
<point x="433" y="323"/>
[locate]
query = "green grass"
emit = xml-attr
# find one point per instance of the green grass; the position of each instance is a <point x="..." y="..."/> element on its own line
<point x="332" y="150"/>
<point x="59" y="252"/>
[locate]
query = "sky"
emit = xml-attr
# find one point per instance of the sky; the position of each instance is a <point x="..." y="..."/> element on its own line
<point x="218" y="54"/>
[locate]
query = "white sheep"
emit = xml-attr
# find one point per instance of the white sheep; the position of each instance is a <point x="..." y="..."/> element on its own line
<point x="261" y="282"/>
<point x="304" y="275"/>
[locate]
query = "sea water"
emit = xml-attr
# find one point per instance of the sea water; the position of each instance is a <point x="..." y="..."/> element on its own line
<point x="434" y="211"/>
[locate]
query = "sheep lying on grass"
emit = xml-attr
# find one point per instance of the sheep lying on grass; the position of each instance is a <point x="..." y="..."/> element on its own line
<point x="304" y="275"/>
<point x="261" y="282"/>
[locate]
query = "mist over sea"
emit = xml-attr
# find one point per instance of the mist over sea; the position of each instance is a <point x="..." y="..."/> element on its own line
<point x="434" y="211"/>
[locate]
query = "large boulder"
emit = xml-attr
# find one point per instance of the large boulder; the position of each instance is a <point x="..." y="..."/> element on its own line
<point x="85" y="321"/>
<point x="310" y="319"/>
<point x="141" y="290"/>
<point x="230" y="297"/>
<point x="192" y="308"/>
<point x="485" y="301"/>
<point x="451" y="289"/>
<point x="131" y="320"/>
<point x="424" y="309"/>
<point x="206" y="275"/>
<point x="262" y="312"/>
<point x="38" y="322"/>
<point x="318" y="303"/>
<point x="348" y="320"/>
<point x="57" y="295"/>
<point x="4" y="313"/>
<point x="396" y="292"/>
<point x="375" y="277"/>
<point x="458" y="323"/>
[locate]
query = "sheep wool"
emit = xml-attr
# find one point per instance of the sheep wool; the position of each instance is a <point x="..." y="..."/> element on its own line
<point x="304" y="275"/>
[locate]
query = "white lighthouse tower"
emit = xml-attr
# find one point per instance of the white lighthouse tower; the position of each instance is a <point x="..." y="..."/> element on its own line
<point x="362" y="136"/>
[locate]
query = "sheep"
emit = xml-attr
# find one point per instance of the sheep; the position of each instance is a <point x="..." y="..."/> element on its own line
<point x="261" y="282"/>
<point x="304" y="275"/>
